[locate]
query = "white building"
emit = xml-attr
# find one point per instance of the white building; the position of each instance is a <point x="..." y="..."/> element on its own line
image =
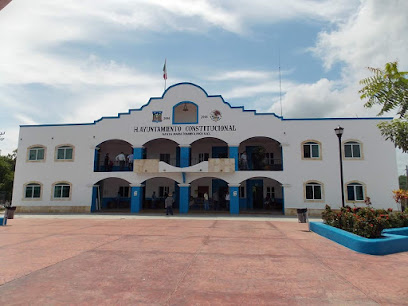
<point x="189" y="143"/>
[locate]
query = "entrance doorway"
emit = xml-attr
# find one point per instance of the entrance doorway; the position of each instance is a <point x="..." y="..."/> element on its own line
<point x="255" y="194"/>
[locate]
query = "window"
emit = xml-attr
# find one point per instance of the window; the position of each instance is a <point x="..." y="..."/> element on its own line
<point x="165" y="157"/>
<point x="355" y="192"/>
<point x="352" y="149"/>
<point x="32" y="191"/>
<point x="163" y="190"/>
<point x="270" y="192"/>
<point x="36" y="153"/>
<point x="62" y="191"/>
<point x="311" y="150"/>
<point x="313" y="191"/>
<point x="269" y="158"/>
<point x="242" y="192"/>
<point x="203" y="157"/>
<point x="65" y="153"/>
<point x="124" y="192"/>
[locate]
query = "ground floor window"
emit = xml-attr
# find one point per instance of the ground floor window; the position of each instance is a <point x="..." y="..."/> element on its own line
<point x="33" y="191"/>
<point x="270" y="192"/>
<point x="61" y="191"/>
<point x="163" y="190"/>
<point x="313" y="191"/>
<point x="124" y="191"/>
<point x="355" y="192"/>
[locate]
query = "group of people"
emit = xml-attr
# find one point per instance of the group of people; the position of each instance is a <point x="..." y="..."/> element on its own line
<point x="216" y="201"/>
<point x="121" y="159"/>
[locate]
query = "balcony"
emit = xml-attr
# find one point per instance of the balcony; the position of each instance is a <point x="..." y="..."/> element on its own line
<point x="216" y="165"/>
<point x="269" y="165"/>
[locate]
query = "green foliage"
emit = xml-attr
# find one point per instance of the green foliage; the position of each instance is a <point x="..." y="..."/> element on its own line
<point x="7" y="167"/>
<point x="389" y="88"/>
<point x="364" y="221"/>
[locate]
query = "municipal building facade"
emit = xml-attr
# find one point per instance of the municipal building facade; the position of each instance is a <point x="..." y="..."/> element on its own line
<point x="188" y="143"/>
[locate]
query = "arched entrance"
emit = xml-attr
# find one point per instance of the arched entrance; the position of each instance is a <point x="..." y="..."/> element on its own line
<point x="155" y="191"/>
<point x="216" y="189"/>
<point x="112" y="195"/>
<point x="261" y="195"/>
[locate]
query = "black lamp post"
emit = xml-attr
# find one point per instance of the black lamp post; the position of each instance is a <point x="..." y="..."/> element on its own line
<point x="339" y="133"/>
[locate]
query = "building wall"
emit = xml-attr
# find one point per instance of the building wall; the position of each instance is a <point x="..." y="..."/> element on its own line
<point x="377" y="169"/>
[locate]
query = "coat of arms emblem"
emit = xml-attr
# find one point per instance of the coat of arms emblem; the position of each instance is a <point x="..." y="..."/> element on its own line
<point x="157" y="116"/>
<point x="215" y="115"/>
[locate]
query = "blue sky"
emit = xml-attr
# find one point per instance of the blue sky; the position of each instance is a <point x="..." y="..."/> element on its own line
<point x="76" y="61"/>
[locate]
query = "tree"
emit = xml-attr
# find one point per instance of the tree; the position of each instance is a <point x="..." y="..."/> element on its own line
<point x="7" y="167"/>
<point x="389" y="88"/>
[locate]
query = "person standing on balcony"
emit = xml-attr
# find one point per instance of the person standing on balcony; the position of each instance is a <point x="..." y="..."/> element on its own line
<point x="130" y="161"/>
<point x="106" y="162"/>
<point x="244" y="161"/>
<point x="121" y="158"/>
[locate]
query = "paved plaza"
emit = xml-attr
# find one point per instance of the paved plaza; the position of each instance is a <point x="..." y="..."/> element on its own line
<point x="125" y="260"/>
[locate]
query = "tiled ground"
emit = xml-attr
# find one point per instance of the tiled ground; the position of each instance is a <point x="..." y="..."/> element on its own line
<point x="188" y="262"/>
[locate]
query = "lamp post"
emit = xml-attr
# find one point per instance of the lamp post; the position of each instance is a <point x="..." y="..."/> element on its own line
<point x="339" y="133"/>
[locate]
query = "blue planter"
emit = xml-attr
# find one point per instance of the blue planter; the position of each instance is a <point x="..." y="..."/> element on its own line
<point x="394" y="240"/>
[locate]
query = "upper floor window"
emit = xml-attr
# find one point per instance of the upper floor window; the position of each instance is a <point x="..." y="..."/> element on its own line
<point x="270" y="192"/>
<point x="36" y="153"/>
<point x="270" y="158"/>
<point x="203" y="157"/>
<point x="32" y="191"/>
<point x="62" y="191"/>
<point x="355" y="192"/>
<point x="65" y="153"/>
<point x="313" y="191"/>
<point x="352" y="149"/>
<point x="311" y="150"/>
<point x="165" y="157"/>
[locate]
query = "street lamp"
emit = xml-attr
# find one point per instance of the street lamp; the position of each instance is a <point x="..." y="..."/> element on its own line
<point x="339" y="132"/>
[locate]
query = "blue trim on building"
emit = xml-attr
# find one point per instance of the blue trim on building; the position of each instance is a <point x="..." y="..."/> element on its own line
<point x="94" y="196"/>
<point x="96" y="160"/>
<point x="185" y="102"/>
<point x="137" y="153"/>
<point x="184" y="157"/>
<point x="136" y="199"/>
<point x="233" y="153"/>
<point x="212" y="96"/>
<point x="234" y="200"/>
<point x="184" y="192"/>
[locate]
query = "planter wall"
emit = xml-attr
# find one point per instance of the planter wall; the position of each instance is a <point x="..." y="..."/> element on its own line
<point x="394" y="241"/>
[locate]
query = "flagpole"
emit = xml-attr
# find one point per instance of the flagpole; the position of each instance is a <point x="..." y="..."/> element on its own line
<point x="165" y="74"/>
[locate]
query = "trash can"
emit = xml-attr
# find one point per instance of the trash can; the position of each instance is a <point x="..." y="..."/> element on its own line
<point x="302" y="215"/>
<point x="10" y="212"/>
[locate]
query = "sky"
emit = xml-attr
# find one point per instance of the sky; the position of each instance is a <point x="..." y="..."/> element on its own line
<point x="76" y="61"/>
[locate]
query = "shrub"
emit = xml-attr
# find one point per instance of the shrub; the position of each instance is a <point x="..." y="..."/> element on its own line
<point x="364" y="221"/>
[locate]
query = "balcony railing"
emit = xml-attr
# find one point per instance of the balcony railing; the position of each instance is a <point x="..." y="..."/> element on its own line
<point x="271" y="165"/>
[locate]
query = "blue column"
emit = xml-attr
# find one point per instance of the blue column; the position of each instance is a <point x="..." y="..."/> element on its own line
<point x="138" y="153"/>
<point x="96" y="159"/>
<point x="94" y="197"/>
<point x="233" y="153"/>
<point x="184" y="198"/>
<point x="184" y="156"/>
<point x="136" y="197"/>
<point x="234" y="199"/>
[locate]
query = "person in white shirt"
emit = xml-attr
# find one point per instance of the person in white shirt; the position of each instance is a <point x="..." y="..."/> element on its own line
<point x="206" y="205"/>
<point x="121" y="158"/>
<point x="227" y="199"/>
<point x="244" y="161"/>
<point x="130" y="161"/>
